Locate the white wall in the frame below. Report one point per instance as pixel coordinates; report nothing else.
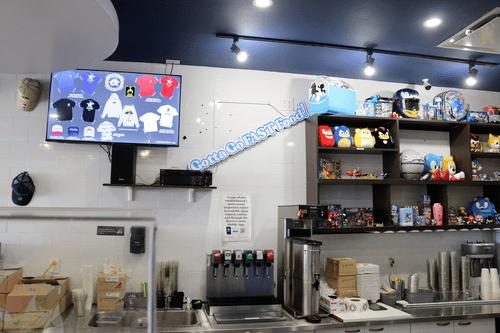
(271, 172)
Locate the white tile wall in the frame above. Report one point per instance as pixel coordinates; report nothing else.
(217, 105)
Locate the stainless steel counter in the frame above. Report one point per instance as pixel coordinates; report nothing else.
(71, 323)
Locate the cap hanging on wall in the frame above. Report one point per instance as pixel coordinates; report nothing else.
(28, 94)
(23, 189)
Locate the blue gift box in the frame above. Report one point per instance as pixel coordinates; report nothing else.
(331, 96)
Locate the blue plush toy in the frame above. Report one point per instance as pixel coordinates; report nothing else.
(433, 165)
(342, 136)
(482, 206)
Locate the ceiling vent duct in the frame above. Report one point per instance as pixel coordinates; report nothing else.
(481, 36)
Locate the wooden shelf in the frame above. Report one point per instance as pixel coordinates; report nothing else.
(394, 229)
(191, 189)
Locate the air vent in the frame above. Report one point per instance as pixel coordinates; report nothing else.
(481, 36)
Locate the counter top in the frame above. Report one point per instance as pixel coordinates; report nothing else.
(72, 323)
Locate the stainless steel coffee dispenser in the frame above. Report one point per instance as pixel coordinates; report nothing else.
(481, 254)
(299, 259)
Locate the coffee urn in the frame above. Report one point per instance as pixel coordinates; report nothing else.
(299, 260)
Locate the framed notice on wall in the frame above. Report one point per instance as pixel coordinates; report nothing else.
(236, 212)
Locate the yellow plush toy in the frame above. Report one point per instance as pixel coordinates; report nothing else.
(494, 143)
(363, 138)
(449, 168)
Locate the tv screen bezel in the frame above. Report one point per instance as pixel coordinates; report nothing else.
(110, 143)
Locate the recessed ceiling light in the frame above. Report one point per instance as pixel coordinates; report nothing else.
(433, 22)
(262, 3)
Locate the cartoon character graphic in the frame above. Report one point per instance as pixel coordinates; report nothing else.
(449, 168)
(475, 144)
(433, 165)
(342, 136)
(382, 138)
(317, 91)
(325, 136)
(494, 143)
(363, 138)
(482, 206)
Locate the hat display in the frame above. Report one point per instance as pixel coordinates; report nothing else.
(22, 189)
(28, 94)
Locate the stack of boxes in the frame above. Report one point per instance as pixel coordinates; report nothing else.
(368, 281)
(111, 289)
(341, 276)
(34, 303)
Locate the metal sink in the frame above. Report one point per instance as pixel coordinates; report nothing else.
(138, 319)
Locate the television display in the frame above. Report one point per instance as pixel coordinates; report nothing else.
(91, 106)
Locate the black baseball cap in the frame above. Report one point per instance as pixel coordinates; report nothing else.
(22, 189)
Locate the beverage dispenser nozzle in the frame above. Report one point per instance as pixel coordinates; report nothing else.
(248, 261)
(237, 259)
(216, 258)
(269, 260)
(227, 261)
(316, 281)
(259, 260)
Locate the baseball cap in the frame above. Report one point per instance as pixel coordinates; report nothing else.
(28, 94)
(22, 189)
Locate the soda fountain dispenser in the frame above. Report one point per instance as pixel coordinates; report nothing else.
(247, 261)
(238, 257)
(216, 259)
(259, 260)
(268, 260)
(228, 258)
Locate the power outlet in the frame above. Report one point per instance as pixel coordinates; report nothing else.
(287, 104)
(56, 269)
(389, 261)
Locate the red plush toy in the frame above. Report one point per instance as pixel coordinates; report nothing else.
(325, 136)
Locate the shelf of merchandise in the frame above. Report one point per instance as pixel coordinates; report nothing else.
(131, 187)
(459, 138)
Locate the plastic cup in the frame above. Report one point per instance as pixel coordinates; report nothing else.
(79, 300)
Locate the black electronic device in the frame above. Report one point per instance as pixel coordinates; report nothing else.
(185, 177)
(123, 162)
(107, 107)
(137, 239)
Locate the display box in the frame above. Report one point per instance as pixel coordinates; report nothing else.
(9, 277)
(340, 266)
(332, 304)
(329, 169)
(342, 282)
(329, 95)
(37, 295)
(405, 217)
(110, 300)
(111, 282)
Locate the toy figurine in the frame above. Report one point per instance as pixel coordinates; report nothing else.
(356, 173)
(382, 138)
(475, 168)
(494, 144)
(449, 168)
(433, 165)
(484, 176)
(496, 175)
(325, 136)
(458, 176)
(481, 206)
(470, 219)
(478, 219)
(363, 138)
(342, 136)
(475, 144)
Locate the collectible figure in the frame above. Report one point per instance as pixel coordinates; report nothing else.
(475, 168)
(433, 165)
(494, 144)
(342, 136)
(325, 136)
(363, 138)
(481, 206)
(449, 168)
(475, 144)
(406, 103)
(382, 138)
(412, 164)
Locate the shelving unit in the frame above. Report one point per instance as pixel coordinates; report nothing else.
(459, 138)
(130, 188)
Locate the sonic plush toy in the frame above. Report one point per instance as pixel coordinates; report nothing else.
(325, 136)
(382, 138)
(342, 136)
(433, 165)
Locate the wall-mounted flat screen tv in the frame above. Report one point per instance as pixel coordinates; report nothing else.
(91, 106)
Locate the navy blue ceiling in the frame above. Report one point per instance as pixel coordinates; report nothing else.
(153, 31)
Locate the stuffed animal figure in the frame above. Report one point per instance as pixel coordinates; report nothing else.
(449, 168)
(382, 138)
(342, 136)
(325, 136)
(433, 165)
(494, 143)
(363, 138)
(475, 144)
(482, 206)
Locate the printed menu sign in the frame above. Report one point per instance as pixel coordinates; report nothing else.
(237, 218)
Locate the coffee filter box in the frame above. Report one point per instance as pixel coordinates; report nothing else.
(111, 289)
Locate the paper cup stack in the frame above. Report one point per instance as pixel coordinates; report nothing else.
(495, 286)
(485, 284)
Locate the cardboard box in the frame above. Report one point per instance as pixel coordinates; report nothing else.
(340, 266)
(111, 282)
(110, 300)
(37, 295)
(346, 293)
(9, 277)
(405, 217)
(342, 282)
(331, 98)
(65, 302)
(332, 304)
(30, 320)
